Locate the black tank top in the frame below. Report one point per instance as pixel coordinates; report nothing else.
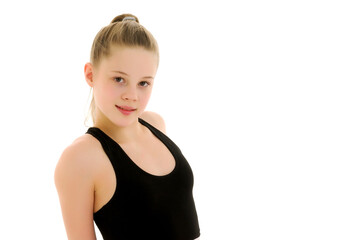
(145, 206)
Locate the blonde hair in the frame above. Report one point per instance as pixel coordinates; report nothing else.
(125, 31)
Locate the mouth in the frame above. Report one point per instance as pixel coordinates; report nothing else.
(125, 109)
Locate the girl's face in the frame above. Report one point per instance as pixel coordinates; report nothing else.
(122, 84)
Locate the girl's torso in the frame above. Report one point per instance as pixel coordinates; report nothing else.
(142, 189)
(149, 154)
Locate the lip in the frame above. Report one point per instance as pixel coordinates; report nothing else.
(126, 110)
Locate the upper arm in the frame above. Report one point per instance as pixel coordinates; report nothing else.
(155, 120)
(74, 183)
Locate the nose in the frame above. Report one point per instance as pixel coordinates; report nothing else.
(129, 94)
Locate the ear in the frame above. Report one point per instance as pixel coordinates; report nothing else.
(89, 74)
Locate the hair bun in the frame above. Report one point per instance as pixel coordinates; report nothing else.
(128, 17)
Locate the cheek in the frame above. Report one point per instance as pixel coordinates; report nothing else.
(145, 97)
(104, 93)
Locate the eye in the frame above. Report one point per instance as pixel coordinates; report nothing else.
(144, 84)
(118, 79)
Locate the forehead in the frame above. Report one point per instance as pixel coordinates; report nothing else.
(134, 60)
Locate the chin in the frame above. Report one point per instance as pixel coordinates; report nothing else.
(127, 121)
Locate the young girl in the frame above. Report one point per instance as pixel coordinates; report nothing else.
(125, 173)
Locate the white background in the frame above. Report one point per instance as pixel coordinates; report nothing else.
(261, 96)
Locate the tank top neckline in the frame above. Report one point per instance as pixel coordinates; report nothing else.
(153, 130)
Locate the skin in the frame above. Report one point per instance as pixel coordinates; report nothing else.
(84, 177)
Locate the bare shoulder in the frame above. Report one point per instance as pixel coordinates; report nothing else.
(75, 176)
(154, 119)
(78, 159)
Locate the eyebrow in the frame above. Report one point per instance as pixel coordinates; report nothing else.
(128, 74)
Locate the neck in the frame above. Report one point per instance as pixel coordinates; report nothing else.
(120, 134)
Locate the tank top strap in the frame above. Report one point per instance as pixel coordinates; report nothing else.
(111, 148)
(160, 135)
(154, 130)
